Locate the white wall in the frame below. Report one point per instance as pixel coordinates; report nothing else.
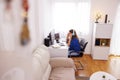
(115, 41)
(36, 23)
(47, 17)
(40, 20)
(105, 7)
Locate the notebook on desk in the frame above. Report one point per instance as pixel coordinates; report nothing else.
(61, 44)
(56, 46)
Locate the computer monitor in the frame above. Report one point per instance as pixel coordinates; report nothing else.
(57, 37)
(52, 36)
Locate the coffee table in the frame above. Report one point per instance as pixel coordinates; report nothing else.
(100, 75)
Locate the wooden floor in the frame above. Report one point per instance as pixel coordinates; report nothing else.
(112, 66)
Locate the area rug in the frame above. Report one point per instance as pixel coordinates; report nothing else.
(79, 65)
(82, 78)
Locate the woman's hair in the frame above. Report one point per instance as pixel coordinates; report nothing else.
(74, 34)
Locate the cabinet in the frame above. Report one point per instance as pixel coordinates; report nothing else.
(101, 41)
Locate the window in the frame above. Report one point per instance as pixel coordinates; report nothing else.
(75, 15)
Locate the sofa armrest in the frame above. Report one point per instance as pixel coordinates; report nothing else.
(62, 62)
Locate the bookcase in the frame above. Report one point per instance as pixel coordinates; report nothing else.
(101, 41)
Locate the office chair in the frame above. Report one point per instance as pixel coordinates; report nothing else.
(80, 53)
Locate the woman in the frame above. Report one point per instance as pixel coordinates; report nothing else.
(73, 41)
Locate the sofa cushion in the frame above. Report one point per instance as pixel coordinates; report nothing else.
(37, 69)
(62, 68)
(44, 47)
(41, 59)
(62, 73)
(47, 73)
(62, 62)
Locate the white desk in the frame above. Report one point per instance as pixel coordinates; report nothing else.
(59, 51)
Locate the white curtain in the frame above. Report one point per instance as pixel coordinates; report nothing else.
(6, 29)
(9, 25)
(71, 15)
(115, 42)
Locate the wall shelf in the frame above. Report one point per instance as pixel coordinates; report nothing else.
(102, 42)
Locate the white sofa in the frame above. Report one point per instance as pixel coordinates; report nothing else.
(46, 68)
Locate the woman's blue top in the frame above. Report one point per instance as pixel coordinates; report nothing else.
(74, 45)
